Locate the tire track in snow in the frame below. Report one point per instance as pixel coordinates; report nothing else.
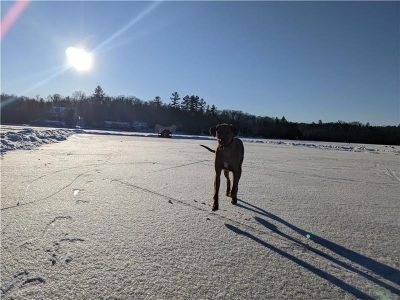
(59, 171)
(58, 191)
(392, 174)
(179, 166)
(49, 196)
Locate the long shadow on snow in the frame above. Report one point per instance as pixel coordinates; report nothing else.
(378, 268)
(273, 228)
(330, 278)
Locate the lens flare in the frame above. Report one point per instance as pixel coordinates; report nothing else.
(79, 59)
(11, 16)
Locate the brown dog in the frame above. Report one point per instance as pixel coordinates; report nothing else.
(228, 157)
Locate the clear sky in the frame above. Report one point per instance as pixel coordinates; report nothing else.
(304, 60)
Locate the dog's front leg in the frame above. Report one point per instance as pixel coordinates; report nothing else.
(236, 178)
(216, 188)
(228, 183)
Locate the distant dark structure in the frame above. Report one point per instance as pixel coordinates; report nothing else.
(165, 132)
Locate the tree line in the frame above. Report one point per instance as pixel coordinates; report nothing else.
(191, 114)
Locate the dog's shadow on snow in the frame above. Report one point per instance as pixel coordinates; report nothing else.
(387, 272)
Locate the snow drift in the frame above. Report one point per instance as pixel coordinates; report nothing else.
(29, 138)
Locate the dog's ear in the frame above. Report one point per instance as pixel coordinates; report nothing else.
(213, 131)
(234, 130)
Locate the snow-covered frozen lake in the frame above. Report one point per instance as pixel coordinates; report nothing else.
(108, 216)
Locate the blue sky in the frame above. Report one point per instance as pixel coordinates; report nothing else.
(304, 60)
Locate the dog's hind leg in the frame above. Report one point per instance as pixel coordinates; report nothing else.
(217, 182)
(236, 178)
(228, 183)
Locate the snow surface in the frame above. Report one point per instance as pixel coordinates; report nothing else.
(128, 217)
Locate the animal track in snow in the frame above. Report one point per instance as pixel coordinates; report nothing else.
(35, 280)
(57, 253)
(21, 280)
(54, 221)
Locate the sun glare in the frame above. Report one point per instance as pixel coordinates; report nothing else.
(79, 59)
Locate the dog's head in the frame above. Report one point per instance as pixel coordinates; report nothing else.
(224, 133)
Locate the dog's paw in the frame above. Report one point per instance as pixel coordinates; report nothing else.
(234, 201)
(214, 207)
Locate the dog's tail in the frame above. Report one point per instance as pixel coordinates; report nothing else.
(209, 149)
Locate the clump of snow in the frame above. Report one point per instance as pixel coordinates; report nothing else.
(29, 138)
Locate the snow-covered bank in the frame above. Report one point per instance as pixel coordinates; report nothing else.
(29, 138)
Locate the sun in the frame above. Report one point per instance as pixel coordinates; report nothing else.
(79, 59)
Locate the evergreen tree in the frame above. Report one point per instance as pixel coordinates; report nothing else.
(99, 93)
(193, 103)
(175, 100)
(202, 105)
(156, 102)
(185, 105)
(213, 109)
